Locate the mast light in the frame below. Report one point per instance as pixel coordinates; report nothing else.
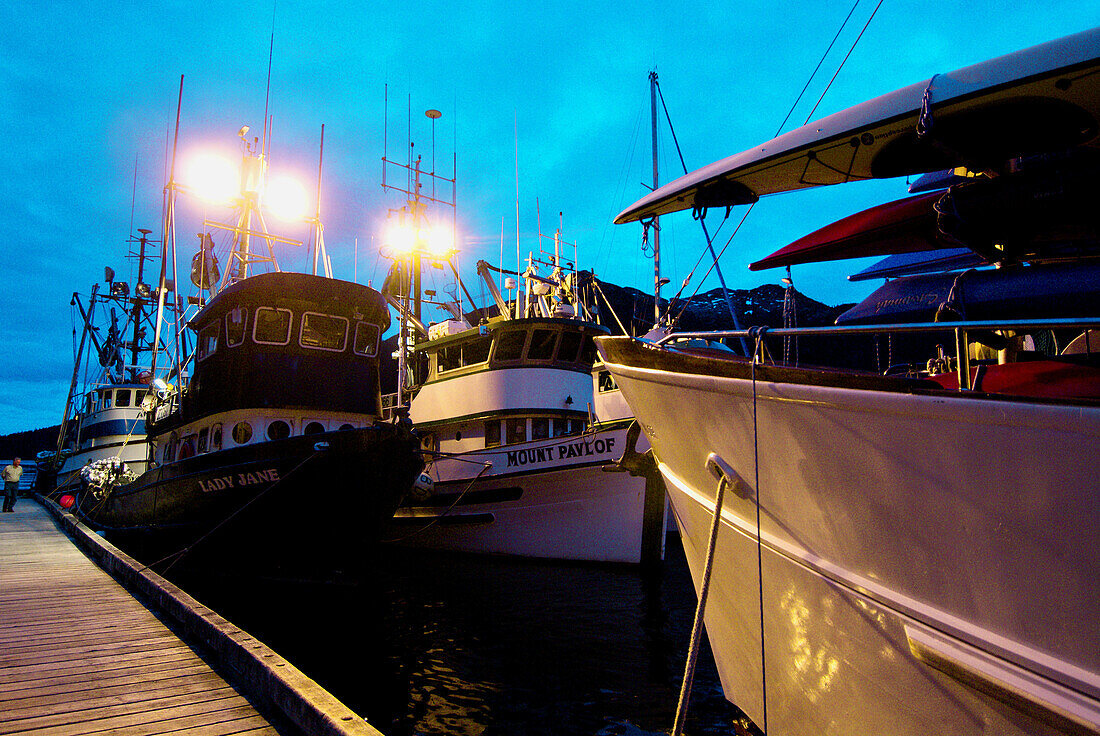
(213, 178)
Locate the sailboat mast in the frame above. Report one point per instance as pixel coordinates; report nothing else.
(656, 183)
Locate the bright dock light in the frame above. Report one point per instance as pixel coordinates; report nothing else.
(212, 178)
(440, 241)
(402, 238)
(286, 198)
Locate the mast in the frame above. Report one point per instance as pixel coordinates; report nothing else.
(167, 232)
(413, 221)
(76, 371)
(318, 230)
(656, 183)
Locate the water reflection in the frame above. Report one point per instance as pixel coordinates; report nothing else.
(434, 643)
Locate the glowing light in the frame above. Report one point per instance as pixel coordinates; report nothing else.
(286, 198)
(402, 238)
(212, 178)
(440, 241)
(433, 242)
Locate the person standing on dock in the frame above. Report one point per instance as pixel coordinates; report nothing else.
(12, 474)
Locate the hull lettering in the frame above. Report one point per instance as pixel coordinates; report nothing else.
(241, 479)
(582, 448)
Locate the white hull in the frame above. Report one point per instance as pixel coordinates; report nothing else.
(112, 432)
(547, 499)
(134, 455)
(927, 564)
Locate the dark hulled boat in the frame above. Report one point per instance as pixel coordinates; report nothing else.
(270, 454)
(273, 452)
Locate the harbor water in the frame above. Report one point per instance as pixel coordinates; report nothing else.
(439, 643)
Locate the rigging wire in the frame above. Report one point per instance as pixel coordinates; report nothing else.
(751, 206)
(624, 171)
(703, 224)
(817, 68)
(853, 48)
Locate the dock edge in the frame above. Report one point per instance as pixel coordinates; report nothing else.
(257, 669)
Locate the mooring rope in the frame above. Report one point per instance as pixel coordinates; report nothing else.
(484, 467)
(697, 624)
(178, 555)
(759, 546)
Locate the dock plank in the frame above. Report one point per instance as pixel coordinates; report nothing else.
(80, 655)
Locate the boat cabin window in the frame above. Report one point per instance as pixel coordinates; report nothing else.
(236, 322)
(122, 397)
(323, 332)
(588, 350)
(278, 430)
(216, 437)
(517, 430)
(540, 428)
(92, 402)
(449, 358)
(272, 326)
(187, 447)
(105, 402)
(366, 339)
(510, 345)
(314, 428)
(204, 436)
(476, 351)
(606, 382)
(570, 346)
(242, 433)
(170, 448)
(492, 433)
(542, 344)
(564, 426)
(208, 341)
(465, 354)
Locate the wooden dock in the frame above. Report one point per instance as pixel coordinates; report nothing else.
(80, 654)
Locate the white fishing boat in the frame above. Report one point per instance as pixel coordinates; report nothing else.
(520, 433)
(910, 553)
(103, 417)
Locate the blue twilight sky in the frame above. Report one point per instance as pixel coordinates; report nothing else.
(88, 93)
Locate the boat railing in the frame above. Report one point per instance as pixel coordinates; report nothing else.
(960, 329)
(1019, 324)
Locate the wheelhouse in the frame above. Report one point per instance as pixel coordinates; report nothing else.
(287, 340)
(521, 343)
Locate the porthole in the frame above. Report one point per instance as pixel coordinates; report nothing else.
(345, 427)
(314, 428)
(242, 433)
(278, 430)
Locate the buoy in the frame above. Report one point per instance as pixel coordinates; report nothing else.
(67, 501)
(422, 488)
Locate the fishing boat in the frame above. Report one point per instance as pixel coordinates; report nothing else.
(103, 416)
(912, 552)
(266, 445)
(521, 430)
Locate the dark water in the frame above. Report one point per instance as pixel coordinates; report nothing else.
(436, 643)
